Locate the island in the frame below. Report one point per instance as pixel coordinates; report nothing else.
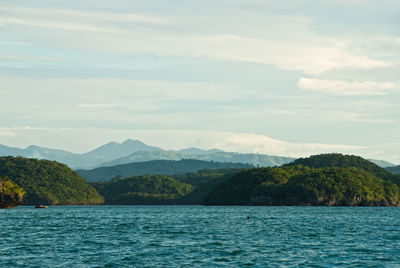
(318, 180)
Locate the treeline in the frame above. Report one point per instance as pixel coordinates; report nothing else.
(299, 185)
(329, 179)
(147, 190)
(189, 189)
(155, 167)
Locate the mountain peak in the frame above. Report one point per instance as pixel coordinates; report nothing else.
(131, 141)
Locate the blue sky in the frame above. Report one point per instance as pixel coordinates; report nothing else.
(276, 77)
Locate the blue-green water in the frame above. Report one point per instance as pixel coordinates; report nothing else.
(170, 236)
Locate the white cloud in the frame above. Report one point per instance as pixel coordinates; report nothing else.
(338, 87)
(66, 14)
(55, 25)
(285, 41)
(6, 133)
(25, 58)
(96, 105)
(14, 43)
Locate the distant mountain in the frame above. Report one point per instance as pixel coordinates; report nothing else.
(131, 151)
(70, 159)
(197, 151)
(393, 170)
(114, 150)
(165, 167)
(218, 156)
(107, 152)
(381, 163)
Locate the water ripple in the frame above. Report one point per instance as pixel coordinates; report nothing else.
(170, 236)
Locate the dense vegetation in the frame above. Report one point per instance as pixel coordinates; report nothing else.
(299, 185)
(393, 170)
(48, 182)
(165, 167)
(11, 195)
(147, 189)
(329, 179)
(340, 160)
(189, 189)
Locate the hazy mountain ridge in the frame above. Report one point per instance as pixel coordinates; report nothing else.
(153, 167)
(394, 170)
(218, 156)
(382, 163)
(91, 159)
(129, 151)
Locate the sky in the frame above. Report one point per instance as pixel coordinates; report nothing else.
(281, 77)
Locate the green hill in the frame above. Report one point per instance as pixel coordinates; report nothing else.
(202, 182)
(326, 179)
(187, 189)
(166, 167)
(48, 182)
(340, 160)
(11, 195)
(143, 190)
(299, 185)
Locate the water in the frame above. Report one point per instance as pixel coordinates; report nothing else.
(171, 236)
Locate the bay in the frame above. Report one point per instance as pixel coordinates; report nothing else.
(199, 236)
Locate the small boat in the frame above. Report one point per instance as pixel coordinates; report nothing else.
(41, 206)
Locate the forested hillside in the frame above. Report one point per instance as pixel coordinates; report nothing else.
(143, 190)
(165, 167)
(340, 160)
(297, 185)
(328, 179)
(48, 182)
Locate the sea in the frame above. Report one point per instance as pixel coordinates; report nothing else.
(199, 236)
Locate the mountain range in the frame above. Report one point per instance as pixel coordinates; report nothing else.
(131, 151)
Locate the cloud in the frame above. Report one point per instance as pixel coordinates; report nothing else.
(25, 58)
(285, 41)
(14, 43)
(338, 87)
(6, 133)
(65, 14)
(96, 105)
(55, 25)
